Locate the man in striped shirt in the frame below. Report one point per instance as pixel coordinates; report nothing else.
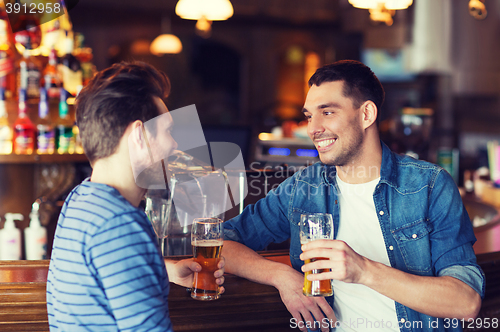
(106, 272)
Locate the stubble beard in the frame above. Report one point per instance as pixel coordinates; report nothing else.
(348, 154)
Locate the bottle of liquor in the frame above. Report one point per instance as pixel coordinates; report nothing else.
(78, 139)
(51, 80)
(85, 56)
(65, 140)
(28, 77)
(45, 129)
(70, 69)
(24, 130)
(5, 128)
(8, 55)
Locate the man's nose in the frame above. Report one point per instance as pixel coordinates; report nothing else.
(315, 127)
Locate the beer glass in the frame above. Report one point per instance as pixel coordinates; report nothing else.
(316, 226)
(206, 240)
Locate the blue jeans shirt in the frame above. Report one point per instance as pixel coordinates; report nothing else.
(425, 226)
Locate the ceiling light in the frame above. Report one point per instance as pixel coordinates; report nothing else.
(212, 10)
(382, 10)
(204, 11)
(166, 43)
(388, 4)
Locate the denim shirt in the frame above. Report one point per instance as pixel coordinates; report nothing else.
(425, 226)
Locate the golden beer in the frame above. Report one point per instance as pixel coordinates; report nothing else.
(207, 254)
(316, 287)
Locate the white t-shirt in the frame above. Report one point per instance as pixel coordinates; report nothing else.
(357, 307)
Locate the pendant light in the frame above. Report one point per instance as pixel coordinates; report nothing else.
(166, 43)
(204, 11)
(381, 10)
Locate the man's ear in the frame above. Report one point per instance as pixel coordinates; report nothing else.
(369, 113)
(137, 135)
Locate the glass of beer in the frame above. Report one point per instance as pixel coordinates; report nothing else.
(206, 240)
(316, 226)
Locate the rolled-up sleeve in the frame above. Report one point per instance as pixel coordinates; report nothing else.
(453, 235)
(469, 274)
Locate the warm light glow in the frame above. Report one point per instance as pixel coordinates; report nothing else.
(140, 47)
(382, 15)
(166, 44)
(212, 10)
(388, 4)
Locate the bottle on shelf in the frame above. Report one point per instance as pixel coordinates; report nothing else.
(35, 236)
(65, 140)
(45, 129)
(8, 56)
(28, 76)
(78, 139)
(51, 80)
(24, 129)
(10, 238)
(85, 56)
(70, 68)
(5, 128)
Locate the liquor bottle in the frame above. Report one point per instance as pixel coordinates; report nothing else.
(8, 55)
(51, 80)
(85, 56)
(28, 76)
(5, 128)
(24, 130)
(65, 140)
(45, 129)
(70, 69)
(78, 140)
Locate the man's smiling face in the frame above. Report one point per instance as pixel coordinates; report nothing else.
(334, 123)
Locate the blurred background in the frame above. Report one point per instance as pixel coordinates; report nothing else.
(245, 65)
(438, 64)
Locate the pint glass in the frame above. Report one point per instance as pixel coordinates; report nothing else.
(316, 226)
(206, 240)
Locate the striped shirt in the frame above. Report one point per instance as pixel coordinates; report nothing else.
(106, 272)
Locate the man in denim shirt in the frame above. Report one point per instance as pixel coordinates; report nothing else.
(402, 258)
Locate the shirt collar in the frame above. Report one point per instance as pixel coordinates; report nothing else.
(387, 174)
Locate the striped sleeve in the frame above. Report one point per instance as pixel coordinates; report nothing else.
(124, 255)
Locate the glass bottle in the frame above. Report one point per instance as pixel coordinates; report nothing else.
(5, 128)
(8, 55)
(45, 129)
(24, 130)
(51, 80)
(70, 69)
(28, 74)
(65, 140)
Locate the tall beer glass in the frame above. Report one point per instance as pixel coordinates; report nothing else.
(206, 239)
(316, 226)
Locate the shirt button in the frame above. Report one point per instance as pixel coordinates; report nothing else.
(381, 213)
(402, 320)
(391, 248)
(414, 236)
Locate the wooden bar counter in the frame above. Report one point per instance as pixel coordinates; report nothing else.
(245, 306)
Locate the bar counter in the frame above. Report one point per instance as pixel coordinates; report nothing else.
(245, 306)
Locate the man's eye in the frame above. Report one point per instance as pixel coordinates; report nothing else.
(327, 112)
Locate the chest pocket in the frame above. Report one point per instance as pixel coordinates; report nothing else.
(414, 243)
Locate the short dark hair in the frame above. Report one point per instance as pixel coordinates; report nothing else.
(113, 99)
(360, 83)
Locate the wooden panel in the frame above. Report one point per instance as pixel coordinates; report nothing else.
(244, 307)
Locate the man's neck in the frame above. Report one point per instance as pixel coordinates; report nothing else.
(111, 171)
(366, 167)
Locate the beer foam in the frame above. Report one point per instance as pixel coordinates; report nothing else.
(207, 243)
